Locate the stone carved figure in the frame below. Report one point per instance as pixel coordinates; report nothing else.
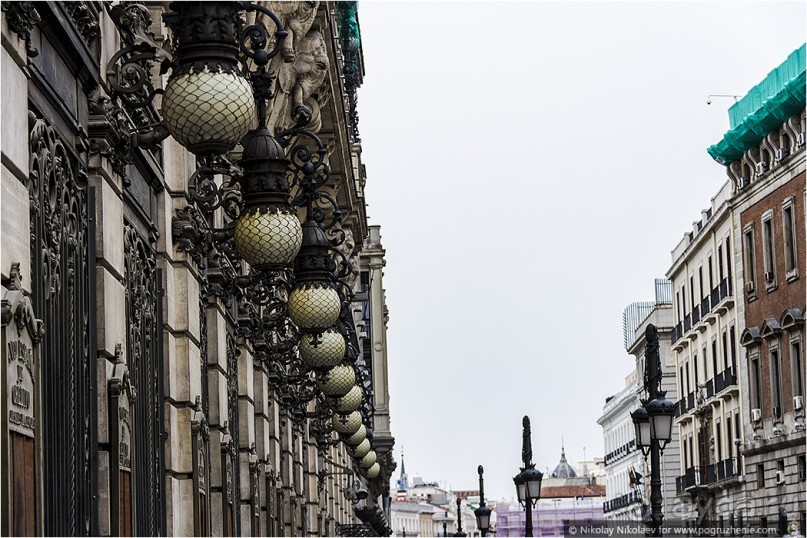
(301, 83)
(297, 18)
(348, 250)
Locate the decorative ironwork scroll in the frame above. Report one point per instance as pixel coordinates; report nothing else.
(144, 358)
(232, 411)
(61, 249)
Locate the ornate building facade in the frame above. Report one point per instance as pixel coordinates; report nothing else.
(705, 344)
(155, 384)
(764, 152)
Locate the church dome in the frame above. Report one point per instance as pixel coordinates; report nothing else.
(563, 470)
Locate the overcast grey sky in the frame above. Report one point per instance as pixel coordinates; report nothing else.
(532, 165)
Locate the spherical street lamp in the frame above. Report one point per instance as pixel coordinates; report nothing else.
(348, 403)
(323, 351)
(314, 305)
(208, 104)
(346, 424)
(337, 381)
(360, 450)
(357, 438)
(368, 460)
(371, 472)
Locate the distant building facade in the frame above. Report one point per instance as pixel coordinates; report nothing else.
(622, 458)
(565, 497)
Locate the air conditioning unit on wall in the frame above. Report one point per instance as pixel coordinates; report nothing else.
(780, 478)
(762, 168)
(801, 139)
(782, 153)
(798, 403)
(756, 415)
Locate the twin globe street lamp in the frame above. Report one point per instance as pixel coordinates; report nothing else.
(653, 422)
(528, 481)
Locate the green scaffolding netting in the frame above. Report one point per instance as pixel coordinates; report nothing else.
(764, 108)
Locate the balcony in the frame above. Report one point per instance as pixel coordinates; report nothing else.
(621, 452)
(710, 388)
(687, 323)
(621, 501)
(725, 379)
(711, 474)
(696, 315)
(722, 296)
(721, 470)
(677, 333)
(706, 307)
(685, 404)
(692, 477)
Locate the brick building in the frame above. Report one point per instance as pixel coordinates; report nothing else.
(765, 157)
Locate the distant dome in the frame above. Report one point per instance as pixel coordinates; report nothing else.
(563, 470)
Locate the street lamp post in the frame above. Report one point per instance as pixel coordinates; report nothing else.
(483, 512)
(459, 520)
(528, 481)
(653, 423)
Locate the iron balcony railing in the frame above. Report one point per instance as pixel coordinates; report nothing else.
(685, 404)
(715, 472)
(725, 379)
(721, 471)
(710, 388)
(620, 452)
(621, 502)
(692, 477)
(706, 306)
(676, 333)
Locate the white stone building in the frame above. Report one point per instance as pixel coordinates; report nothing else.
(622, 459)
(705, 345)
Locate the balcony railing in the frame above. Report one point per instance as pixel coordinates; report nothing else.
(710, 388)
(721, 471)
(621, 501)
(685, 404)
(677, 333)
(620, 452)
(715, 472)
(692, 477)
(725, 379)
(706, 306)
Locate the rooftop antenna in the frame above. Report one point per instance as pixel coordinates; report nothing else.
(709, 97)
